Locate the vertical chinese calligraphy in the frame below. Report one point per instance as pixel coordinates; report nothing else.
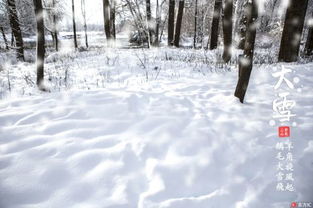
(283, 113)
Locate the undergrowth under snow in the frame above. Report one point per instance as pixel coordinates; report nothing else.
(153, 130)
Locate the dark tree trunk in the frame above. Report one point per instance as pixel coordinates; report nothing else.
(148, 14)
(246, 60)
(74, 24)
(294, 21)
(106, 14)
(242, 32)
(52, 36)
(55, 31)
(112, 19)
(242, 24)
(171, 19)
(12, 39)
(215, 24)
(4, 38)
(55, 35)
(227, 29)
(83, 7)
(179, 20)
(202, 25)
(16, 30)
(40, 43)
(195, 26)
(309, 41)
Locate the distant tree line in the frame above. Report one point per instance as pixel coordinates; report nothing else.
(229, 23)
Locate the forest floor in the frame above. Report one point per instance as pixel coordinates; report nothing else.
(159, 128)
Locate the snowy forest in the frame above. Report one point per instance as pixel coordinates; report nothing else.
(156, 103)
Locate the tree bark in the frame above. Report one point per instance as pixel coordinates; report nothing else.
(246, 60)
(241, 22)
(195, 26)
(74, 24)
(148, 14)
(12, 39)
(40, 43)
(55, 35)
(294, 21)
(106, 14)
(202, 25)
(112, 19)
(171, 19)
(242, 31)
(16, 30)
(55, 31)
(215, 24)
(227, 29)
(4, 38)
(309, 41)
(83, 7)
(179, 20)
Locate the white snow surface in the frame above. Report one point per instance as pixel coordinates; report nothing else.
(176, 140)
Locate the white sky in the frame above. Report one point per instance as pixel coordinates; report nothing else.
(94, 11)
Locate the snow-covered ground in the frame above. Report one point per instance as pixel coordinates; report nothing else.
(128, 128)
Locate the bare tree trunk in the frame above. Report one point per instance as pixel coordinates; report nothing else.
(112, 19)
(157, 25)
(202, 25)
(195, 26)
(52, 35)
(74, 24)
(246, 60)
(40, 43)
(171, 19)
(227, 29)
(294, 21)
(205, 17)
(12, 39)
(106, 14)
(83, 7)
(55, 35)
(215, 24)
(16, 30)
(148, 14)
(240, 23)
(309, 42)
(242, 30)
(179, 20)
(4, 38)
(55, 31)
